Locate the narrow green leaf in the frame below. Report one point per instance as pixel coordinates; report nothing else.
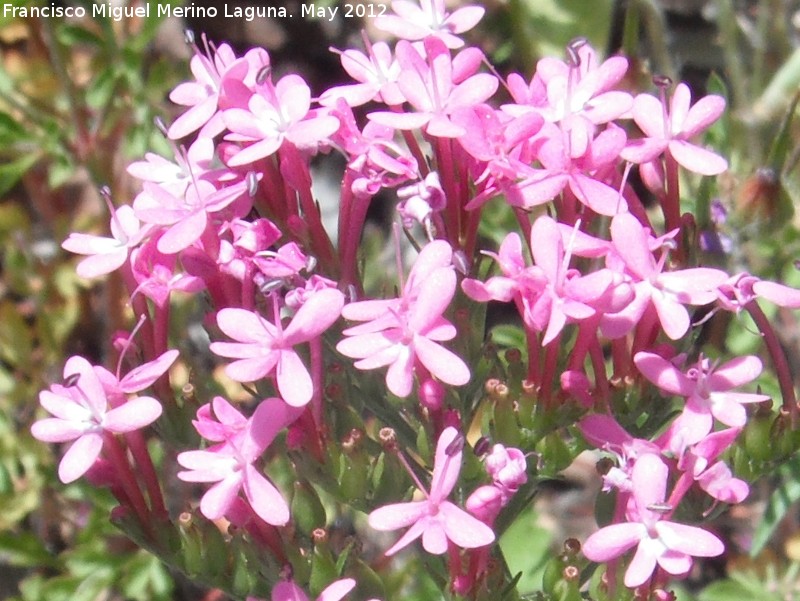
(779, 503)
(10, 173)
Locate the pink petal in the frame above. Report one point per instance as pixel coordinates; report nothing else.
(696, 159)
(648, 113)
(434, 539)
(412, 534)
(264, 498)
(397, 515)
(642, 565)
(400, 375)
(316, 315)
(663, 374)
(251, 370)
(337, 590)
(57, 430)
(294, 381)
(463, 529)
(145, 375)
(245, 326)
(612, 541)
(736, 372)
(136, 413)
(218, 499)
(689, 539)
(184, 233)
(80, 457)
(702, 114)
(442, 363)
(445, 467)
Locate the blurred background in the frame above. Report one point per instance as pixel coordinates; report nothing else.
(78, 102)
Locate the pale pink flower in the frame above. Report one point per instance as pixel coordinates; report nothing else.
(398, 332)
(416, 22)
(263, 348)
(744, 288)
(137, 379)
(230, 463)
(658, 541)
(107, 254)
(187, 215)
(435, 519)
(671, 131)
(81, 414)
(274, 114)
(376, 75)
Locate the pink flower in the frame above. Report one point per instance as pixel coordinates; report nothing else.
(707, 388)
(107, 254)
(435, 519)
(289, 591)
(658, 541)
(81, 414)
(668, 292)
(262, 347)
(186, 215)
(274, 114)
(507, 467)
(670, 131)
(230, 463)
(430, 87)
(398, 332)
(377, 76)
(413, 22)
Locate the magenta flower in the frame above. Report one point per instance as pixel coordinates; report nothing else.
(435, 519)
(107, 254)
(429, 18)
(671, 131)
(262, 348)
(398, 332)
(81, 414)
(230, 463)
(658, 541)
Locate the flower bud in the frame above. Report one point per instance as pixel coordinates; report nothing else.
(507, 468)
(485, 503)
(431, 394)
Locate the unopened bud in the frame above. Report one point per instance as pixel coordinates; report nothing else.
(388, 438)
(571, 573)
(572, 547)
(661, 81)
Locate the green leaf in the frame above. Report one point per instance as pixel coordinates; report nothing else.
(24, 549)
(779, 504)
(10, 173)
(70, 35)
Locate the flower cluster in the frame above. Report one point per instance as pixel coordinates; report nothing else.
(605, 298)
